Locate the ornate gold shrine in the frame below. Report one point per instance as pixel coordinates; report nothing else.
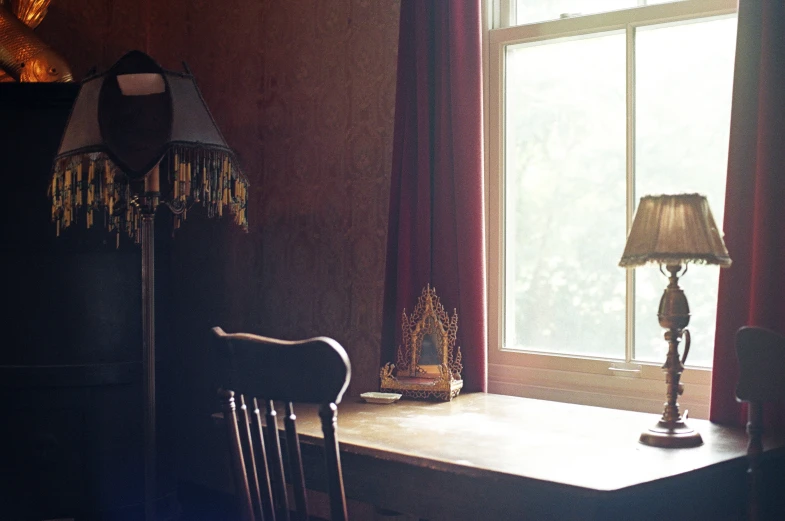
(428, 364)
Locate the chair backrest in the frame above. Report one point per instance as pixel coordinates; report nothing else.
(257, 372)
(761, 354)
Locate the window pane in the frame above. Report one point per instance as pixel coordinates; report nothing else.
(532, 11)
(684, 80)
(565, 193)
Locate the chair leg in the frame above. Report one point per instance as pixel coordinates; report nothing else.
(329, 417)
(754, 451)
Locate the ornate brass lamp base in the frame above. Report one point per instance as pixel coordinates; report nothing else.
(671, 435)
(674, 315)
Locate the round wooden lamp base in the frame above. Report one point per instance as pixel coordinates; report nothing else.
(671, 435)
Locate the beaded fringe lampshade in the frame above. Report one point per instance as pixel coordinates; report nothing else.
(128, 120)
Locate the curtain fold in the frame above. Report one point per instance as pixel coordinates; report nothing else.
(436, 221)
(752, 290)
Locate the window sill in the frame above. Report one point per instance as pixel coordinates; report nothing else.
(638, 393)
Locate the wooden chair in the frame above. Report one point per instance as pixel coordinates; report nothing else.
(761, 354)
(257, 372)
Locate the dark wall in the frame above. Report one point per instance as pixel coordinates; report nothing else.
(304, 90)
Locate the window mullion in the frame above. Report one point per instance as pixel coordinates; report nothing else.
(629, 340)
(506, 10)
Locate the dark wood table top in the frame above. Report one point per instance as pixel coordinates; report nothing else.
(482, 434)
(495, 457)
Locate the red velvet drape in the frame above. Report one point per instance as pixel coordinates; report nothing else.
(752, 290)
(436, 232)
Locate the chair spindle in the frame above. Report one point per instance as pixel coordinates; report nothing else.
(252, 469)
(236, 454)
(275, 460)
(295, 463)
(268, 504)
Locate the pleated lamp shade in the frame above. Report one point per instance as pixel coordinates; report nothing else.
(674, 230)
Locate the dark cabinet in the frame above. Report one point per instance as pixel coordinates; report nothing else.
(70, 361)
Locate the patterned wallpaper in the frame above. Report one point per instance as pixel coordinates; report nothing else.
(304, 91)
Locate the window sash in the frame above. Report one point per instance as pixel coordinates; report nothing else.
(598, 381)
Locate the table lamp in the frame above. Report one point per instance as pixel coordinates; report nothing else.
(672, 231)
(139, 137)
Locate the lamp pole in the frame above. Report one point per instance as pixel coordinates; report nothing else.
(147, 230)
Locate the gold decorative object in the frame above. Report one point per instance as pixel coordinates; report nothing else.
(30, 12)
(428, 364)
(673, 230)
(24, 57)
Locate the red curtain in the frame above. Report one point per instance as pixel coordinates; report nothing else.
(436, 233)
(752, 289)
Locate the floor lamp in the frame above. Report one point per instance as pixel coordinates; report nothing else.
(139, 137)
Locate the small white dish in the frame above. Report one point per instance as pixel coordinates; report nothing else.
(380, 397)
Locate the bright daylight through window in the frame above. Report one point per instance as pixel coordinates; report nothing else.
(593, 104)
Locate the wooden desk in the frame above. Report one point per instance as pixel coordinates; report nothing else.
(494, 457)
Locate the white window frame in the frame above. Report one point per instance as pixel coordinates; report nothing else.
(585, 380)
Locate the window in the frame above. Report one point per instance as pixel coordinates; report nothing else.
(587, 112)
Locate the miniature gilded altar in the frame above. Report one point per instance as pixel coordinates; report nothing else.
(428, 364)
